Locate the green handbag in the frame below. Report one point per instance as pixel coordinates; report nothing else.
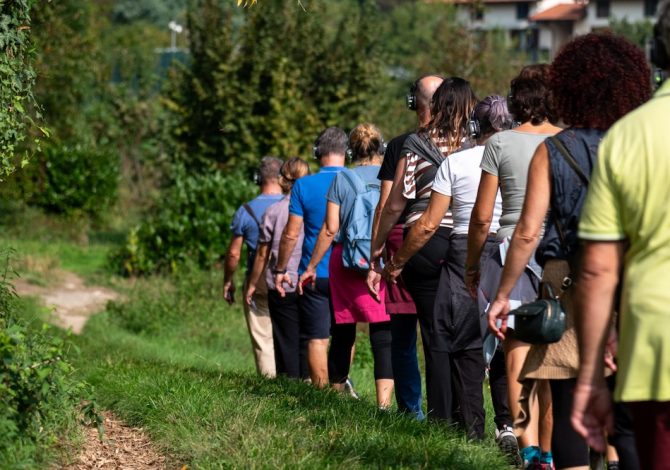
(540, 322)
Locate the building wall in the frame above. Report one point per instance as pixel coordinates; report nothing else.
(632, 10)
(495, 16)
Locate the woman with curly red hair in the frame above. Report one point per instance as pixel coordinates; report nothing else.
(594, 81)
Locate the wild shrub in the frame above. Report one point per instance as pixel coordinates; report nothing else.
(39, 394)
(190, 222)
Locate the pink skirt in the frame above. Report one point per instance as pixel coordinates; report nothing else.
(352, 303)
(398, 300)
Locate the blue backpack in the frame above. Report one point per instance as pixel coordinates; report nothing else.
(356, 230)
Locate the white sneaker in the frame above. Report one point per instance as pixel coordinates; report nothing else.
(349, 388)
(508, 444)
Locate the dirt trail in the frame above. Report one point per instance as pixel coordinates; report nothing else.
(122, 447)
(72, 301)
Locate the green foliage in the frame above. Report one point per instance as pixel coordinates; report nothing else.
(637, 32)
(39, 394)
(269, 85)
(71, 180)
(17, 78)
(190, 222)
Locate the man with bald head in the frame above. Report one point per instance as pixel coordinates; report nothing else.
(398, 301)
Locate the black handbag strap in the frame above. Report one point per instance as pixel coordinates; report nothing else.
(570, 160)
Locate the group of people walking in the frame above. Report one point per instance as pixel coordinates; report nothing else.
(488, 205)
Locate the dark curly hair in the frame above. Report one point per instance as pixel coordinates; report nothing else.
(529, 96)
(598, 78)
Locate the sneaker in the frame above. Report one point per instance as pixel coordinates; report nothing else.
(349, 388)
(547, 461)
(508, 444)
(531, 458)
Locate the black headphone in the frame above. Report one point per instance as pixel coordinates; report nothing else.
(473, 127)
(315, 152)
(658, 51)
(381, 150)
(410, 98)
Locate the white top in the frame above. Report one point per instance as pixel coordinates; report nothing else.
(458, 177)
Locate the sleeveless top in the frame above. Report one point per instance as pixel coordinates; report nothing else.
(568, 192)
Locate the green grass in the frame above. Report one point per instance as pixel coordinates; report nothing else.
(174, 359)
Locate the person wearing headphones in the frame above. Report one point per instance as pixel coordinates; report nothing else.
(398, 301)
(625, 230)
(246, 228)
(307, 210)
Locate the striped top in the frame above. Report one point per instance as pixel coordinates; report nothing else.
(418, 184)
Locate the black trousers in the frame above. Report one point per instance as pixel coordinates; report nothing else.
(344, 337)
(623, 438)
(568, 448)
(421, 276)
(498, 385)
(290, 350)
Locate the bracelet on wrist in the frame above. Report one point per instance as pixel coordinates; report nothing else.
(279, 271)
(392, 264)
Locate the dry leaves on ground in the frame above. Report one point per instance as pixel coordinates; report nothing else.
(123, 447)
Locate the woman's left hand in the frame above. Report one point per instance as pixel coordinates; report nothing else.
(391, 272)
(499, 310)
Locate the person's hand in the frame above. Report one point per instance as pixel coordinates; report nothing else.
(373, 282)
(280, 279)
(229, 292)
(248, 296)
(379, 253)
(499, 310)
(611, 349)
(472, 281)
(592, 416)
(392, 271)
(307, 277)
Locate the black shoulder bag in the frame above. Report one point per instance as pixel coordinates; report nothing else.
(544, 321)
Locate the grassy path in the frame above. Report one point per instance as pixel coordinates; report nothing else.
(173, 359)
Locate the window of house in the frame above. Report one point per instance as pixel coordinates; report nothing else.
(602, 8)
(522, 10)
(650, 7)
(477, 12)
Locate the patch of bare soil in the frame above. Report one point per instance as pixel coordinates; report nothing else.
(122, 447)
(72, 301)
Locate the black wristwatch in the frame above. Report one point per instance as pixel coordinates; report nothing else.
(279, 271)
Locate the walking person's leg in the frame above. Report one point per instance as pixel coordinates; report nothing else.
(468, 371)
(315, 317)
(405, 363)
(285, 332)
(380, 341)
(259, 324)
(339, 355)
(570, 450)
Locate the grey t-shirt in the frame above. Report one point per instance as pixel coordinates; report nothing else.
(341, 192)
(272, 226)
(507, 155)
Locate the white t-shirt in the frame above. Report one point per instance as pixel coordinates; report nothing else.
(458, 177)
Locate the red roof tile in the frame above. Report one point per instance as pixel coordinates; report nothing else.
(561, 12)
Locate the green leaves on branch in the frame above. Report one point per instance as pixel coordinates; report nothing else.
(18, 115)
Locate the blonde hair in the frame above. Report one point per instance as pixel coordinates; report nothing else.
(293, 169)
(365, 142)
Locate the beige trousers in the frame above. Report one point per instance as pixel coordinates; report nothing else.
(260, 332)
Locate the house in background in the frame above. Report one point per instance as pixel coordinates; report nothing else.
(541, 27)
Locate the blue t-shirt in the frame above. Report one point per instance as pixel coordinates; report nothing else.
(308, 200)
(343, 194)
(244, 225)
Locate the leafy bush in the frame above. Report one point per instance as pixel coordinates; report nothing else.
(190, 222)
(39, 395)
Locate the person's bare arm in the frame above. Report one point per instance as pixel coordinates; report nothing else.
(594, 303)
(260, 265)
(526, 236)
(393, 209)
(289, 238)
(331, 225)
(478, 231)
(421, 232)
(230, 266)
(384, 193)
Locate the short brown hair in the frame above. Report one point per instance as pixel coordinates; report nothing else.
(529, 98)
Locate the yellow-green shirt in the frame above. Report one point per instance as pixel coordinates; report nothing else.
(629, 198)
